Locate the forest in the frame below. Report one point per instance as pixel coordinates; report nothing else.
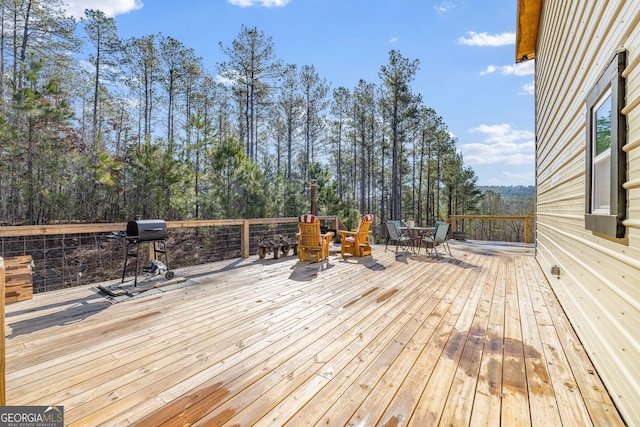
(96, 128)
(512, 200)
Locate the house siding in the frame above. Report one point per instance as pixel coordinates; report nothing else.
(599, 281)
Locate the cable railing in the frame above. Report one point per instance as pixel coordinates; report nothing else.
(503, 228)
(79, 254)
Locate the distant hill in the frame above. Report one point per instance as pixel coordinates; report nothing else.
(514, 200)
(507, 192)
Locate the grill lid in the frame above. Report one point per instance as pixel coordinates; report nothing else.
(145, 230)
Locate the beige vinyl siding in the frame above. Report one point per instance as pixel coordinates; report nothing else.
(599, 282)
(632, 112)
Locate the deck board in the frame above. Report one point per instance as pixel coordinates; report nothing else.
(542, 398)
(487, 402)
(382, 340)
(457, 411)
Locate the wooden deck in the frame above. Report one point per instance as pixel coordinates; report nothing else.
(473, 339)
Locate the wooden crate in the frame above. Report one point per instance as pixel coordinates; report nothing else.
(18, 279)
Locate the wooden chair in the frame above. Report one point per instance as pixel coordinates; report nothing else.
(312, 244)
(356, 242)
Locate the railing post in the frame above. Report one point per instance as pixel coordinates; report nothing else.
(3, 395)
(151, 250)
(244, 239)
(527, 230)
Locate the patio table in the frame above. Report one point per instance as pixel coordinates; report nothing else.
(417, 233)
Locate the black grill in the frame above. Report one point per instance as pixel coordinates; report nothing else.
(146, 230)
(152, 231)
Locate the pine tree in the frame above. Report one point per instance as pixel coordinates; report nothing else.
(103, 35)
(252, 66)
(401, 105)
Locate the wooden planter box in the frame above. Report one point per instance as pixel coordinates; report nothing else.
(18, 279)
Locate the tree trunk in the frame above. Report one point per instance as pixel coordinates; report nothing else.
(23, 48)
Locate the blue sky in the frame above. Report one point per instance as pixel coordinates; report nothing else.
(465, 48)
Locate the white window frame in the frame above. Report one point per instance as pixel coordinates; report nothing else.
(605, 156)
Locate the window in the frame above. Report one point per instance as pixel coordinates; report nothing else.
(606, 161)
(601, 167)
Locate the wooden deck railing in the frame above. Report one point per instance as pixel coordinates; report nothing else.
(528, 220)
(40, 230)
(59, 262)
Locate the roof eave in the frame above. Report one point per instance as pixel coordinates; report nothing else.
(527, 29)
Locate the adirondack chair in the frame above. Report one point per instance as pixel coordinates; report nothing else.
(356, 242)
(312, 244)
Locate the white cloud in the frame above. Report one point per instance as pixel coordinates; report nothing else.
(529, 88)
(490, 69)
(527, 177)
(227, 79)
(110, 8)
(502, 133)
(505, 153)
(500, 145)
(486, 39)
(265, 3)
(444, 7)
(525, 68)
(494, 181)
(510, 178)
(393, 40)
